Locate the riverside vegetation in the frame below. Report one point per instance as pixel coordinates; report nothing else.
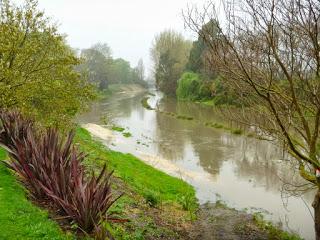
(157, 206)
(57, 182)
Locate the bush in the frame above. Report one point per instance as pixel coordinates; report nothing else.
(192, 87)
(51, 168)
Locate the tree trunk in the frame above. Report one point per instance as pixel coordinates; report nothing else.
(316, 207)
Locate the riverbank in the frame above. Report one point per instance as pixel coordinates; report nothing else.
(156, 205)
(187, 219)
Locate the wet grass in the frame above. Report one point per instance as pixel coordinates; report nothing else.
(117, 128)
(236, 131)
(274, 232)
(137, 174)
(184, 117)
(127, 134)
(19, 218)
(150, 199)
(145, 104)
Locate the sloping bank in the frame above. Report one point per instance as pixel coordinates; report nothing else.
(156, 205)
(171, 208)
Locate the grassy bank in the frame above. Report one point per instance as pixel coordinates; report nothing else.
(19, 218)
(158, 206)
(155, 205)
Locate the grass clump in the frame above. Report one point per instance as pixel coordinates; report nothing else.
(236, 131)
(152, 198)
(274, 232)
(184, 117)
(117, 128)
(127, 134)
(214, 125)
(145, 104)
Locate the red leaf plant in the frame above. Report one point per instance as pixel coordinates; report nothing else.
(51, 168)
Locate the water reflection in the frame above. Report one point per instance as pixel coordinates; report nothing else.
(246, 172)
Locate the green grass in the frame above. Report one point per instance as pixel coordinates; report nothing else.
(274, 232)
(118, 129)
(237, 131)
(127, 134)
(19, 218)
(184, 117)
(137, 174)
(145, 104)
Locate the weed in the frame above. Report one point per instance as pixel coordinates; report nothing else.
(274, 232)
(145, 104)
(236, 131)
(127, 134)
(117, 128)
(152, 198)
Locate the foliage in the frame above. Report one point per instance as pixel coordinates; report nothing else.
(275, 232)
(51, 168)
(145, 104)
(37, 67)
(19, 218)
(95, 66)
(199, 57)
(117, 128)
(170, 52)
(127, 134)
(152, 198)
(192, 87)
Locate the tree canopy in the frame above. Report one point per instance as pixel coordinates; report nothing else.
(170, 52)
(37, 72)
(102, 69)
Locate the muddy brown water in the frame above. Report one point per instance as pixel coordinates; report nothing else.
(244, 172)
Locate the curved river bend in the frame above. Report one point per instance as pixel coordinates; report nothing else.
(243, 172)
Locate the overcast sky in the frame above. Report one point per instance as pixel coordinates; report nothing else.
(127, 26)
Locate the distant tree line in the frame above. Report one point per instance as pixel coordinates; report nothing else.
(183, 68)
(102, 69)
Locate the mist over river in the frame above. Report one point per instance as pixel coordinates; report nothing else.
(244, 172)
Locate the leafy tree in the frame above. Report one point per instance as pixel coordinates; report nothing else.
(120, 71)
(170, 52)
(140, 71)
(199, 58)
(37, 67)
(95, 65)
(104, 49)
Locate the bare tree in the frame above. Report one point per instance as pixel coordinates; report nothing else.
(268, 51)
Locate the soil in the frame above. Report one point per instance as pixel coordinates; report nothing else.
(217, 222)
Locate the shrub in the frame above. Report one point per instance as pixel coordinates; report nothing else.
(51, 168)
(152, 198)
(192, 87)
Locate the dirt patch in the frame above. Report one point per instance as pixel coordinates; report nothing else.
(217, 222)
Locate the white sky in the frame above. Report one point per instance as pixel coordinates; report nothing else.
(127, 26)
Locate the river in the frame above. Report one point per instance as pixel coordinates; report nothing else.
(244, 172)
